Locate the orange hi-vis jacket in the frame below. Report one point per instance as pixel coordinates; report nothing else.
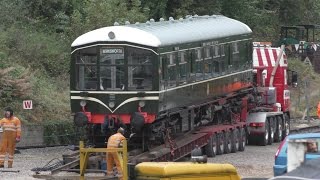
(12, 124)
(115, 140)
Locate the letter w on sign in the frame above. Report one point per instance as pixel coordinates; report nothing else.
(27, 104)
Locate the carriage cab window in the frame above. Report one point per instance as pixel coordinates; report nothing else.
(112, 70)
(86, 69)
(139, 69)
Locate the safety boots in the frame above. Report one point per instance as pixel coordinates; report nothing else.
(9, 165)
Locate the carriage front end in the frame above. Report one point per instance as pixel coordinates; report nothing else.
(113, 85)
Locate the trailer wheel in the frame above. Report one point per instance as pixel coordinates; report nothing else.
(227, 141)
(271, 130)
(242, 139)
(265, 137)
(221, 144)
(211, 147)
(235, 138)
(278, 132)
(286, 126)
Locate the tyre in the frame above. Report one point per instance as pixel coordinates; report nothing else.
(235, 137)
(278, 130)
(221, 143)
(227, 141)
(265, 137)
(271, 130)
(243, 139)
(286, 126)
(211, 147)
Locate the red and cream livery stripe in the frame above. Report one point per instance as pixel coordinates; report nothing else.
(149, 98)
(266, 57)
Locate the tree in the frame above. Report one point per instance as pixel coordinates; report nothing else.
(96, 14)
(156, 8)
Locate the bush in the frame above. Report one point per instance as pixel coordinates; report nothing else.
(61, 133)
(308, 88)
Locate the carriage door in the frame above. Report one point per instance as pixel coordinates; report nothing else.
(112, 70)
(163, 81)
(229, 57)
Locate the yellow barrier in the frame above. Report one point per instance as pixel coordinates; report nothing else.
(84, 155)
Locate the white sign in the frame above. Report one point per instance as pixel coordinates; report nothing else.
(27, 104)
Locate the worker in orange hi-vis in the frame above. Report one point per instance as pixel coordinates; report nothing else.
(318, 110)
(11, 126)
(115, 141)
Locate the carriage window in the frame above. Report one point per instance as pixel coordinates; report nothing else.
(139, 69)
(182, 67)
(215, 51)
(112, 70)
(235, 49)
(207, 52)
(222, 50)
(236, 56)
(86, 69)
(216, 67)
(222, 61)
(162, 72)
(216, 60)
(172, 70)
(198, 55)
(207, 68)
(199, 65)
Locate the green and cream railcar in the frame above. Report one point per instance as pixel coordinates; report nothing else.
(153, 76)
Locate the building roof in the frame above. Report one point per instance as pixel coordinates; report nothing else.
(164, 33)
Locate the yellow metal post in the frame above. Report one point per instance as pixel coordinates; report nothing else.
(125, 160)
(121, 152)
(81, 145)
(83, 159)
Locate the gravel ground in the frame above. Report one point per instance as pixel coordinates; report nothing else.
(255, 161)
(32, 158)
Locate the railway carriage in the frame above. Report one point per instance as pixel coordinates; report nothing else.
(161, 79)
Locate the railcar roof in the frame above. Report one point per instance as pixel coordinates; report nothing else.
(164, 33)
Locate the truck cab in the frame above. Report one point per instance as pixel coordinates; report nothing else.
(270, 121)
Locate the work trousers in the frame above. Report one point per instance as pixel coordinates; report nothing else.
(112, 158)
(8, 145)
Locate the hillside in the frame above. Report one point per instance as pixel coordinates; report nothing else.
(307, 89)
(35, 39)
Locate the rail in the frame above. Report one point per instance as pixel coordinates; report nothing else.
(84, 155)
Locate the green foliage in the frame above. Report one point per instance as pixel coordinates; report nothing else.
(308, 88)
(96, 14)
(11, 12)
(156, 8)
(39, 50)
(61, 133)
